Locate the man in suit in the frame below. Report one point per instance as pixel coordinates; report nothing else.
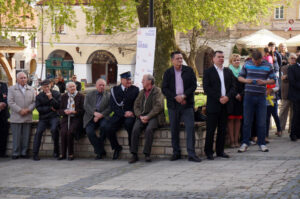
(294, 96)
(255, 74)
(21, 100)
(97, 110)
(179, 84)
(121, 102)
(47, 104)
(218, 85)
(4, 115)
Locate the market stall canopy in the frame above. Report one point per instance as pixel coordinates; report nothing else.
(260, 39)
(294, 41)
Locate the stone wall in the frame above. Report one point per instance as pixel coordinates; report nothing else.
(161, 148)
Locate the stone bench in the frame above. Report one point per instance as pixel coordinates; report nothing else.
(161, 148)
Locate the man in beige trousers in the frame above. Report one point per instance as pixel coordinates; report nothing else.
(21, 100)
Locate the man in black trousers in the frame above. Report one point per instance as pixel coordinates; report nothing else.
(121, 102)
(294, 96)
(47, 103)
(179, 85)
(219, 86)
(4, 115)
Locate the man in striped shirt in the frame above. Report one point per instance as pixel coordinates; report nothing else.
(255, 74)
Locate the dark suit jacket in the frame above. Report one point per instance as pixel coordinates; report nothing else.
(90, 106)
(79, 102)
(127, 97)
(189, 83)
(294, 83)
(44, 105)
(4, 114)
(212, 88)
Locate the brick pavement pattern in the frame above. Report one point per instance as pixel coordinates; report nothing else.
(253, 174)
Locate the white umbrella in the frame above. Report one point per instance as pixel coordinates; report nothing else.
(294, 41)
(260, 39)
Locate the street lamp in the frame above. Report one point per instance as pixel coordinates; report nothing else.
(151, 13)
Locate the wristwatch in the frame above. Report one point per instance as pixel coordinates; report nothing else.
(254, 82)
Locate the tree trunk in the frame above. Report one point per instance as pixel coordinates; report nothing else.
(165, 37)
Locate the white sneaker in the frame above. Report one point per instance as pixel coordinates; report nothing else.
(263, 148)
(243, 148)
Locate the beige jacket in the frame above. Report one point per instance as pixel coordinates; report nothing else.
(16, 100)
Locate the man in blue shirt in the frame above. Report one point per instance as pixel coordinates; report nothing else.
(255, 74)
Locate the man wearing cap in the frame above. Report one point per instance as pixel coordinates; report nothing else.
(121, 102)
(47, 104)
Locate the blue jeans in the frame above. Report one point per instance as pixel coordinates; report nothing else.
(187, 115)
(255, 104)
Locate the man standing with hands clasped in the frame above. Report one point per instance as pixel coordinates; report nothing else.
(179, 85)
(219, 86)
(255, 74)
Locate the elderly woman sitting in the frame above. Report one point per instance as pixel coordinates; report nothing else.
(71, 110)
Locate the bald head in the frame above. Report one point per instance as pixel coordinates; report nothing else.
(100, 85)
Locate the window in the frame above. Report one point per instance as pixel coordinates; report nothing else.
(279, 12)
(13, 38)
(60, 29)
(22, 64)
(22, 40)
(33, 42)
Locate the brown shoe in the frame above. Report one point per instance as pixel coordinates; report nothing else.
(134, 158)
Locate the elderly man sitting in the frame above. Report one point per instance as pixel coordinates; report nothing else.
(148, 108)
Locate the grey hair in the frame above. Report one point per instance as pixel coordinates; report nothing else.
(100, 79)
(69, 83)
(151, 78)
(20, 73)
(293, 55)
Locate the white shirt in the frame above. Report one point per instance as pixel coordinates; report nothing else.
(22, 88)
(221, 75)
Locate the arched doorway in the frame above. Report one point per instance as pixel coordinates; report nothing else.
(59, 62)
(32, 66)
(204, 59)
(104, 65)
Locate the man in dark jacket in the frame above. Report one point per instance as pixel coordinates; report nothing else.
(179, 85)
(121, 103)
(148, 106)
(294, 96)
(219, 86)
(77, 83)
(47, 104)
(4, 114)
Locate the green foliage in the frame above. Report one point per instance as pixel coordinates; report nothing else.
(244, 52)
(235, 50)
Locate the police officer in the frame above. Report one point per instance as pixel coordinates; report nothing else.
(121, 102)
(4, 114)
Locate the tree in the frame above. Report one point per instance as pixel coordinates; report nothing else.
(191, 17)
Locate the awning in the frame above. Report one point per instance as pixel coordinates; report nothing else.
(294, 41)
(260, 39)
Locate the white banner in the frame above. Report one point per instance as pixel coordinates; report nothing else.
(145, 52)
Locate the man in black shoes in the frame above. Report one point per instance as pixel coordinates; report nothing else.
(148, 108)
(4, 114)
(179, 85)
(121, 103)
(47, 104)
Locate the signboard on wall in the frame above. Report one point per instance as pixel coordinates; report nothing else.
(145, 52)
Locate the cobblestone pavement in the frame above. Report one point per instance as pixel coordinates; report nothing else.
(253, 174)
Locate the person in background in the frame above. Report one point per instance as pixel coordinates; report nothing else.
(284, 54)
(121, 103)
(77, 83)
(255, 74)
(272, 109)
(235, 105)
(148, 107)
(267, 56)
(21, 100)
(4, 115)
(277, 60)
(179, 84)
(294, 96)
(54, 87)
(61, 84)
(71, 110)
(47, 104)
(286, 105)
